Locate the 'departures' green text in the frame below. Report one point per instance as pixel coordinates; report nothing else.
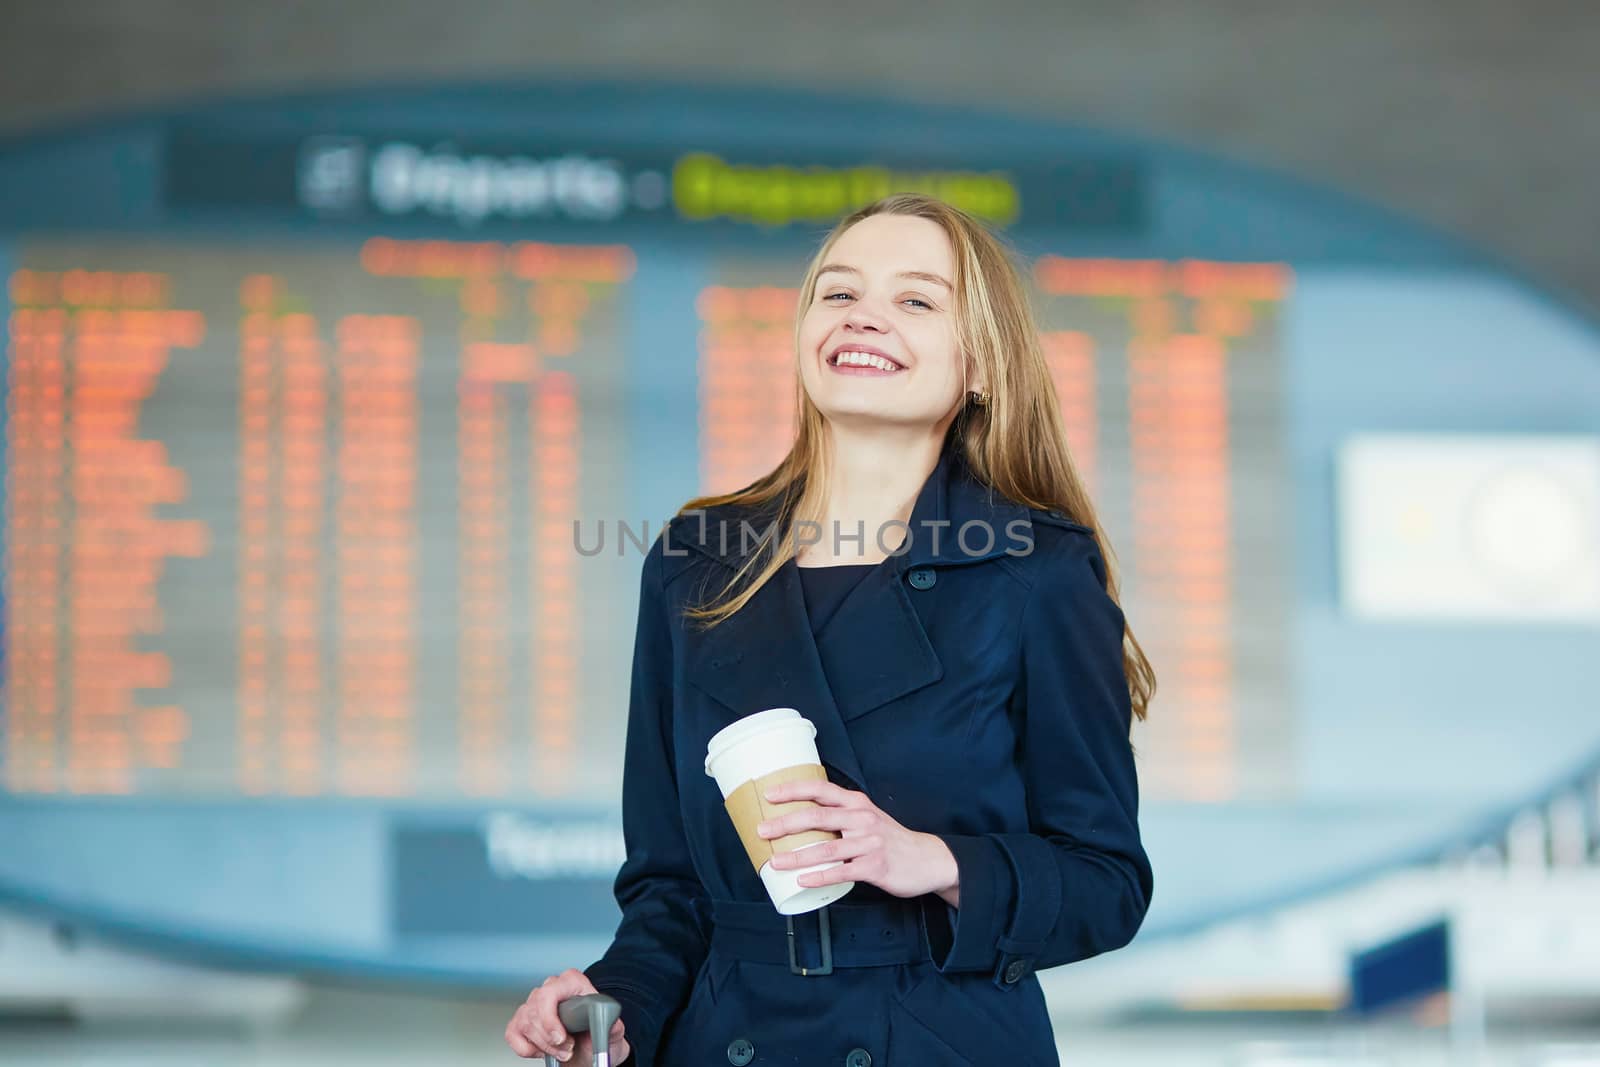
(705, 187)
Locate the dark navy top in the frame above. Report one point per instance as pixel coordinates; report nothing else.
(826, 587)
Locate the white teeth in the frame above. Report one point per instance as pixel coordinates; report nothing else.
(864, 359)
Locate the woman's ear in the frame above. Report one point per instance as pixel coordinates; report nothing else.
(976, 382)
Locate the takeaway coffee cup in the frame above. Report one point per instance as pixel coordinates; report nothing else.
(747, 756)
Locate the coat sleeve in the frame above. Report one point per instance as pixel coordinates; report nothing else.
(1079, 882)
(664, 935)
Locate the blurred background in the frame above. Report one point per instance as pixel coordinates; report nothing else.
(329, 324)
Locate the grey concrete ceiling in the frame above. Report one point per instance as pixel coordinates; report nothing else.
(1480, 117)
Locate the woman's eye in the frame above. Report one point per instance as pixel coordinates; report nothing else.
(909, 299)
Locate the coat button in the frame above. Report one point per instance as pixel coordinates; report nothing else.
(1015, 972)
(859, 1057)
(922, 578)
(740, 1052)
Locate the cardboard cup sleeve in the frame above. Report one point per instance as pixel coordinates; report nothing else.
(748, 808)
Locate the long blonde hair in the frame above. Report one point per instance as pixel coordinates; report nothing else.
(1016, 443)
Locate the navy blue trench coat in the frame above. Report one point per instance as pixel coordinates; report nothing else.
(972, 686)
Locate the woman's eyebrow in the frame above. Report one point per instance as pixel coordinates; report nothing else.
(919, 274)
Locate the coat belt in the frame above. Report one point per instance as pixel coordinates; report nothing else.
(870, 934)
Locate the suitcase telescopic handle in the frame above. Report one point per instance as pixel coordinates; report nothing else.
(592, 1013)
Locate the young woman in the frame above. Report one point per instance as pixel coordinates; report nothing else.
(956, 636)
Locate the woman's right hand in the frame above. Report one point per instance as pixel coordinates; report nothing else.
(535, 1029)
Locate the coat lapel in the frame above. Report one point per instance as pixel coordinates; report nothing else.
(874, 650)
(762, 657)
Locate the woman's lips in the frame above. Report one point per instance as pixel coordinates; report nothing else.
(857, 364)
(870, 372)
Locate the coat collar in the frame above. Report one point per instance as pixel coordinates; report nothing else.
(951, 497)
(765, 655)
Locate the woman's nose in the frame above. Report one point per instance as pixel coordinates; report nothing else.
(864, 316)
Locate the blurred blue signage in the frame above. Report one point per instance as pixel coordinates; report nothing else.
(504, 873)
(440, 179)
(1401, 971)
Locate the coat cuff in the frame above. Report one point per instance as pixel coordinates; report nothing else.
(968, 938)
(641, 1027)
(1036, 911)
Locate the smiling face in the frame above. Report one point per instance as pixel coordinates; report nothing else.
(878, 339)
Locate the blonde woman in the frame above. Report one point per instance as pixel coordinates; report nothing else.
(923, 577)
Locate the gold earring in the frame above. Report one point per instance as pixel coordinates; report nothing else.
(980, 399)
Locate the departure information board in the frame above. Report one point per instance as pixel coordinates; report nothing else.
(335, 429)
(303, 517)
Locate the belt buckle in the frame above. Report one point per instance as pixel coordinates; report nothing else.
(826, 937)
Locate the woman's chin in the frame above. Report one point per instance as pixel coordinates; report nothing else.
(867, 413)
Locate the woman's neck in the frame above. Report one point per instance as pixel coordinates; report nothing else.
(875, 481)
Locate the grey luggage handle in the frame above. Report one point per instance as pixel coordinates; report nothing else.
(592, 1013)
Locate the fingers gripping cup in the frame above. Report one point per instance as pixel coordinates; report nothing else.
(746, 757)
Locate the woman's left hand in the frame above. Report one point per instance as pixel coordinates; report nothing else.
(876, 849)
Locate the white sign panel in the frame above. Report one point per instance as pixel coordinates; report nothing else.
(1470, 527)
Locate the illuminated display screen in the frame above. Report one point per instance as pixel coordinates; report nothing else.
(300, 520)
(324, 418)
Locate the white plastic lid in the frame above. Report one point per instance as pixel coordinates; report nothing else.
(736, 731)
